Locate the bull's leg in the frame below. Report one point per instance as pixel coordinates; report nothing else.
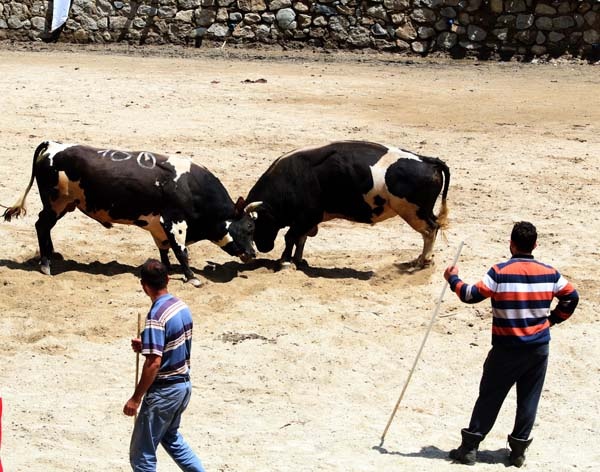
(426, 257)
(297, 259)
(46, 221)
(296, 237)
(427, 227)
(176, 232)
(163, 247)
(286, 256)
(164, 258)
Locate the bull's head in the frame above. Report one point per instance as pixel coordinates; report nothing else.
(240, 231)
(266, 228)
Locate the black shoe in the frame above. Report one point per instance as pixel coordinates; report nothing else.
(517, 450)
(466, 453)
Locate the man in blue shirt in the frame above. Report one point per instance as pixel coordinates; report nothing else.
(164, 385)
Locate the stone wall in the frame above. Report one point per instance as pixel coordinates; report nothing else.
(497, 28)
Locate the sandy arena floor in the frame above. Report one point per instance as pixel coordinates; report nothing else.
(298, 370)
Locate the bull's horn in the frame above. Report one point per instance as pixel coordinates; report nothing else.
(252, 207)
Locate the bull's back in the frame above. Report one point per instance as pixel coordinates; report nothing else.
(412, 179)
(330, 178)
(109, 185)
(356, 180)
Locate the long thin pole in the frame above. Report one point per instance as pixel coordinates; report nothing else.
(1, 469)
(435, 312)
(137, 357)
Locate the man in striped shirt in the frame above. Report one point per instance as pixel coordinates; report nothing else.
(164, 385)
(521, 291)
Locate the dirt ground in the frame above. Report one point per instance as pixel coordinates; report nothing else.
(298, 370)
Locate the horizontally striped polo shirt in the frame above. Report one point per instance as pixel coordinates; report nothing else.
(168, 333)
(521, 291)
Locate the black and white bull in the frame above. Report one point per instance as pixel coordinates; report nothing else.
(177, 201)
(355, 180)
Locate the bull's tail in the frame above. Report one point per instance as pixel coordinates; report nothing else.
(442, 217)
(18, 209)
(441, 220)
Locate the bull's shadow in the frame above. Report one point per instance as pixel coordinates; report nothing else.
(215, 272)
(60, 266)
(219, 273)
(226, 272)
(335, 272)
(499, 456)
(212, 271)
(230, 270)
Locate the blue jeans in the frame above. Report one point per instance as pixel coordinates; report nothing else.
(157, 423)
(503, 368)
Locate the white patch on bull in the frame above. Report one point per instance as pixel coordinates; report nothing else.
(54, 148)
(181, 165)
(402, 154)
(179, 231)
(225, 240)
(393, 205)
(379, 188)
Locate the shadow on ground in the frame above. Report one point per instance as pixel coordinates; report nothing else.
(212, 271)
(499, 456)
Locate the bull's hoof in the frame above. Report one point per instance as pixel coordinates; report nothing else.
(422, 263)
(286, 265)
(301, 264)
(45, 269)
(194, 281)
(427, 263)
(414, 266)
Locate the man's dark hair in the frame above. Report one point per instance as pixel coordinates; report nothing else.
(154, 274)
(524, 236)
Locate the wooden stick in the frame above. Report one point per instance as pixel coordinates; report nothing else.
(137, 357)
(435, 312)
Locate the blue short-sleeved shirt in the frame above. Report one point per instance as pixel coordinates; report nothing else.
(168, 333)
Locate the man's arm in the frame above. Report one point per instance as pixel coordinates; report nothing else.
(467, 293)
(149, 371)
(568, 298)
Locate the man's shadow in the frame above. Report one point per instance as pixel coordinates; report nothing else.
(499, 456)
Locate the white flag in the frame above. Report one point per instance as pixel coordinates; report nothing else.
(60, 13)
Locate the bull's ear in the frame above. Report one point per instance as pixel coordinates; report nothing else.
(239, 206)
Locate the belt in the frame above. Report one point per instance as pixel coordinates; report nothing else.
(171, 381)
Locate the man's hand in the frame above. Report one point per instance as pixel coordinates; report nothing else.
(131, 407)
(136, 345)
(450, 271)
(149, 371)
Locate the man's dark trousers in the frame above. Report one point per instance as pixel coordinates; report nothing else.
(503, 367)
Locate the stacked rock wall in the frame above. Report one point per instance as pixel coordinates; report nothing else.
(454, 27)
